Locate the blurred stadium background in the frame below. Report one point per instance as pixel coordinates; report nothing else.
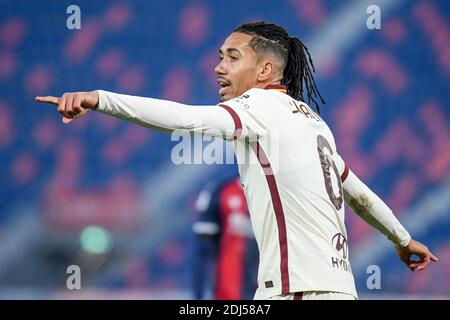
(103, 194)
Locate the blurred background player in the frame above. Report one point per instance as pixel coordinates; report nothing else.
(226, 251)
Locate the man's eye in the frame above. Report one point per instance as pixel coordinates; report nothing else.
(220, 58)
(233, 58)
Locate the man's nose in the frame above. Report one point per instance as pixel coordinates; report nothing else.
(220, 69)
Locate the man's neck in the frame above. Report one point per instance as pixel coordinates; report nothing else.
(264, 84)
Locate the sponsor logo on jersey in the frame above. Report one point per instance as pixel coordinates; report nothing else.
(340, 243)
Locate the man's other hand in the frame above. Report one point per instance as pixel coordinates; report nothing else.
(415, 248)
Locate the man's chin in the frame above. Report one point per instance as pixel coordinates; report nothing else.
(226, 97)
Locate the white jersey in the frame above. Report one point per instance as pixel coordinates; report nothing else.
(293, 180)
(292, 176)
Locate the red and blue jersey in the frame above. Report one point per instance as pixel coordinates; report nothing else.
(225, 241)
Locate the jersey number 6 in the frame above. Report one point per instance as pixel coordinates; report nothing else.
(327, 162)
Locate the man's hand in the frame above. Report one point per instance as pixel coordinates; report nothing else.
(416, 248)
(72, 105)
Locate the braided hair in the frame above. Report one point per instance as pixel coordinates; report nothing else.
(271, 39)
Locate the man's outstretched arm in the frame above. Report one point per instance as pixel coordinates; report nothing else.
(161, 115)
(374, 211)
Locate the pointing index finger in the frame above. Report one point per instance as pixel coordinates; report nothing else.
(433, 257)
(48, 99)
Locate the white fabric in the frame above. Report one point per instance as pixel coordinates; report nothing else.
(316, 295)
(373, 210)
(167, 116)
(304, 172)
(288, 133)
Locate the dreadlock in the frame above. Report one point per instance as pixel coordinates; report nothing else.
(271, 39)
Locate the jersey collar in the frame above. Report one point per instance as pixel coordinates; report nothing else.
(278, 87)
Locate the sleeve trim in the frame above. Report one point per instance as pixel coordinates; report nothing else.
(237, 121)
(344, 174)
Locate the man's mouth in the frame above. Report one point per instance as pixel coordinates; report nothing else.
(223, 86)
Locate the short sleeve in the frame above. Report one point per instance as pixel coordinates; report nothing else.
(245, 111)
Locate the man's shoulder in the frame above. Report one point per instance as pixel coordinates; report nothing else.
(250, 94)
(245, 100)
(259, 92)
(253, 96)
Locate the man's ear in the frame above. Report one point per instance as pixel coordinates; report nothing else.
(266, 70)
